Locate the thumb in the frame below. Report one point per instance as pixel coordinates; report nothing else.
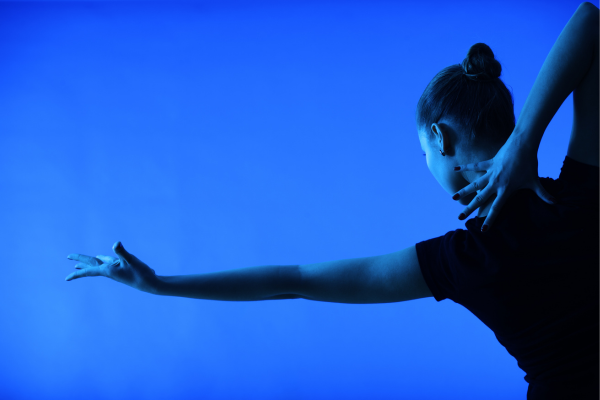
(120, 251)
(544, 195)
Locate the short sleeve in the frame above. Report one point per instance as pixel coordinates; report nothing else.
(579, 185)
(436, 260)
(578, 173)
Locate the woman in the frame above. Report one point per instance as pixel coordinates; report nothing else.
(532, 279)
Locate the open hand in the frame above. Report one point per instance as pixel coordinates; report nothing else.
(514, 167)
(125, 268)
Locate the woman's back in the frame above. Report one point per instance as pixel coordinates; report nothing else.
(533, 279)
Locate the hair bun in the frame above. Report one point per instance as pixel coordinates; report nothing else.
(480, 58)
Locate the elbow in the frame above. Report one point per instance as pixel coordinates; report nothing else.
(587, 17)
(587, 7)
(290, 280)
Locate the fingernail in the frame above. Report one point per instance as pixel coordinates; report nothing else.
(457, 168)
(456, 196)
(484, 228)
(462, 216)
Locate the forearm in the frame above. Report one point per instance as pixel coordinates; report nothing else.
(564, 68)
(270, 282)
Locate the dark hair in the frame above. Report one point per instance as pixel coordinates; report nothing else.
(481, 107)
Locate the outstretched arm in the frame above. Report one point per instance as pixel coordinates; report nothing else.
(386, 278)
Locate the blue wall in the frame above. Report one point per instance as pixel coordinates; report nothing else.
(215, 135)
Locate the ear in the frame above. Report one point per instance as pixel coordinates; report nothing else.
(439, 134)
(444, 136)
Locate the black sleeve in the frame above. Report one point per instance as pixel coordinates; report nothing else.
(578, 184)
(440, 265)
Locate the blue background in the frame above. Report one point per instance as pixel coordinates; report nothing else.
(215, 135)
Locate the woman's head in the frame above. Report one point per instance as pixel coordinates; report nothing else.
(467, 112)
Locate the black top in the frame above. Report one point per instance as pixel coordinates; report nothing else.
(532, 278)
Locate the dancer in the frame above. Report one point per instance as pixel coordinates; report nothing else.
(526, 265)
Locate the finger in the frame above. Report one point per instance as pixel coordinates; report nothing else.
(122, 253)
(81, 266)
(478, 166)
(92, 271)
(477, 201)
(106, 259)
(494, 211)
(83, 258)
(476, 185)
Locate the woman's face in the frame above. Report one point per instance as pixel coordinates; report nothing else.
(442, 167)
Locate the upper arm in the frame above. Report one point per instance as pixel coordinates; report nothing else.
(386, 278)
(584, 140)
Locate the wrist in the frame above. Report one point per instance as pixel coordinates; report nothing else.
(155, 285)
(526, 139)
